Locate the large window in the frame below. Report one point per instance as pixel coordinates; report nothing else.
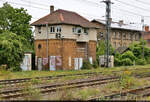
(124, 36)
(39, 30)
(52, 29)
(119, 35)
(114, 35)
(58, 29)
(114, 44)
(78, 30)
(86, 31)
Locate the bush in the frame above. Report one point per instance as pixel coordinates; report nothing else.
(117, 62)
(141, 62)
(86, 65)
(126, 62)
(129, 55)
(95, 64)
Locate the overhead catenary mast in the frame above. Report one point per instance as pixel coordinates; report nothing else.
(108, 24)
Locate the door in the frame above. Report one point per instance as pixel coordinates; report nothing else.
(52, 63)
(76, 64)
(39, 64)
(80, 63)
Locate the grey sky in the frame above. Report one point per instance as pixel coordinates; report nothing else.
(127, 10)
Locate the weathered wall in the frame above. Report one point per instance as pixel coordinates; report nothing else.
(68, 49)
(66, 33)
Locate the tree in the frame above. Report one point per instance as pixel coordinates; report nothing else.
(17, 21)
(101, 49)
(11, 50)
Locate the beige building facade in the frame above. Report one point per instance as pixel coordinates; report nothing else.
(120, 35)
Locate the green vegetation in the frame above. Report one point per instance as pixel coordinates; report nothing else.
(15, 36)
(134, 55)
(86, 65)
(31, 74)
(11, 50)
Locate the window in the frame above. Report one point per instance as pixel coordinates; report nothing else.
(114, 44)
(119, 44)
(74, 30)
(124, 44)
(124, 36)
(58, 29)
(52, 29)
(119, 35)
(114, 35)
(39, 30)
(86, 31)
(78, 30)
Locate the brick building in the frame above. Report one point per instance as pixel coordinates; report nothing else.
(146, 35)
(65, 42)
(122, 35)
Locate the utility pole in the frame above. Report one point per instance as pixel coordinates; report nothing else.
(108, 24)
(142, 21)
(47, 42)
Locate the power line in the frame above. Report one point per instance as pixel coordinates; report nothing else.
(128, 4)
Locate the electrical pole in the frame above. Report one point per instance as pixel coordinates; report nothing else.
(108, 24)
(142, 21)
(47, 42)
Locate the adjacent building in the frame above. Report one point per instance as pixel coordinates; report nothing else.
(63, 39)
(121, 36)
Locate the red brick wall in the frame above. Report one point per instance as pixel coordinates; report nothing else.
(65, 48)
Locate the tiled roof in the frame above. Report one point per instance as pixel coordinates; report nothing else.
(116, 25)
(64, 17)
(121, 49)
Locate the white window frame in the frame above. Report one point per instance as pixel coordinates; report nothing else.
(53, 31)
(58, 29)
(39, 30)
(87, 31)
(78, 28)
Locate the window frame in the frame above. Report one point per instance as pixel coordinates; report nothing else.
(52, 30)
(39, 29)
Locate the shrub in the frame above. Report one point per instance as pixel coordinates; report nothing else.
(95, 64)
(117, 62)
(141, 62)
(126, 62)
(86, 65)
(129, 55)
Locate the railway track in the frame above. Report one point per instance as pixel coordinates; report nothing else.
(15, 81)
(142, 92)
(14, 93)
(19, 92)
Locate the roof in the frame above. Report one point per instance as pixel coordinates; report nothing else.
(146, 35)
(116, 25)
(121, 49)
(64, 17)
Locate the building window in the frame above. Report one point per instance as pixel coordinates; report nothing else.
(124, 36)
(52, 29)
(119, 44)
(78, 30)
(86, 31)
(119, 35)
(114, 35)
(124, 44)
(74, 30)
(58, 29)
(114, 44)
(39, 30)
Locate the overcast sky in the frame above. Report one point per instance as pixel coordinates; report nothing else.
(130, 11)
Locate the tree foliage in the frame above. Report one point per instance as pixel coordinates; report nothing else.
(16, 20)
(11, 49)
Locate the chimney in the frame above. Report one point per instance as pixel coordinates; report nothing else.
(51, 8)
(146, 28)
(120, 22)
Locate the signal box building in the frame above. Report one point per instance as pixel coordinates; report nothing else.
(63, 40)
